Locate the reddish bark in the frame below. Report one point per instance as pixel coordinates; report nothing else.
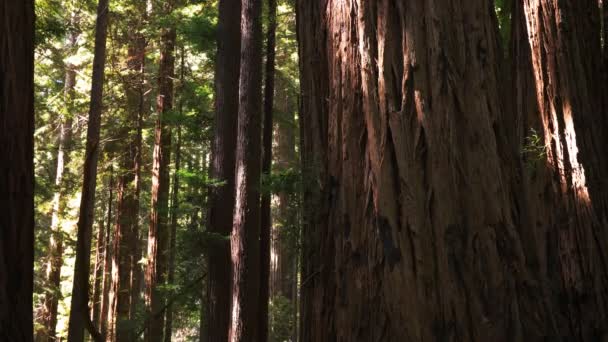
(158, 234)
(409, 230)
(245, 246)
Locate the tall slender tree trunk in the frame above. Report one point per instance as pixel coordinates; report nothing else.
(221, 198)
(409, 229)
(104, 306)
(127, 222)
(53, 271)
(245, 245)
(79, 315)
(158, 233)
(175, 207)
(98, 272)
(266, 219)
(173, 240)
(16, 169)
(556, 48)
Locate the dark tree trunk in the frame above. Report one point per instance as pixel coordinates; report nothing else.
(107, 262)
(173, 240)
(221, 198)
(79, 314)
(409, 229)
(127, 223)
(245, 245)
(158, 234)
(559, 105)
(53, 272)
(16, 169)
(266, 220)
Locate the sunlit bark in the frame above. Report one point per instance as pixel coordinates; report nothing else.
(245, 245)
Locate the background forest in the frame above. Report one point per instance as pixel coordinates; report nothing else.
(303, 170)
(64, 57)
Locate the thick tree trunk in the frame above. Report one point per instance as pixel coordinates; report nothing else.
(53, 271)
(560, 107)
(107, 262)
(266, 219)
(245, 245)
(16, 170)
(79, 315)
(158, 233)
(221, 197)
(409, 228)
(127, 225)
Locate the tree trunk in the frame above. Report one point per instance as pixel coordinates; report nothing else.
(266, 220)
(409, 228)
(158, 234)
(246, 225)
(16, 170)
(79, 315)
(127, 225)
(53, 271)
(172, 244)
(559, 105)
(107, 262)
(221, 197)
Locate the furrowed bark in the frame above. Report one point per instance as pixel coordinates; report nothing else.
(245, 245)
(556, 50)
(409, 225)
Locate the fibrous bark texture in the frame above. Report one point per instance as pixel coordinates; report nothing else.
(409, 226)
(79, 313)
(16, 169)
(556, 55)
(221, 197)
(245, 245)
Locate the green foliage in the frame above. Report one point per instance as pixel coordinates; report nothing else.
(281, 319)
(534, 150)
(503, 14)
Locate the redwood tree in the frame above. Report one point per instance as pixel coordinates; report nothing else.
(557, 54)
(245, 236)
(266, 220)
(79, 313)
(221, 197)
(16, 169)
(409, 228)
(158, 232)
(127, 226)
